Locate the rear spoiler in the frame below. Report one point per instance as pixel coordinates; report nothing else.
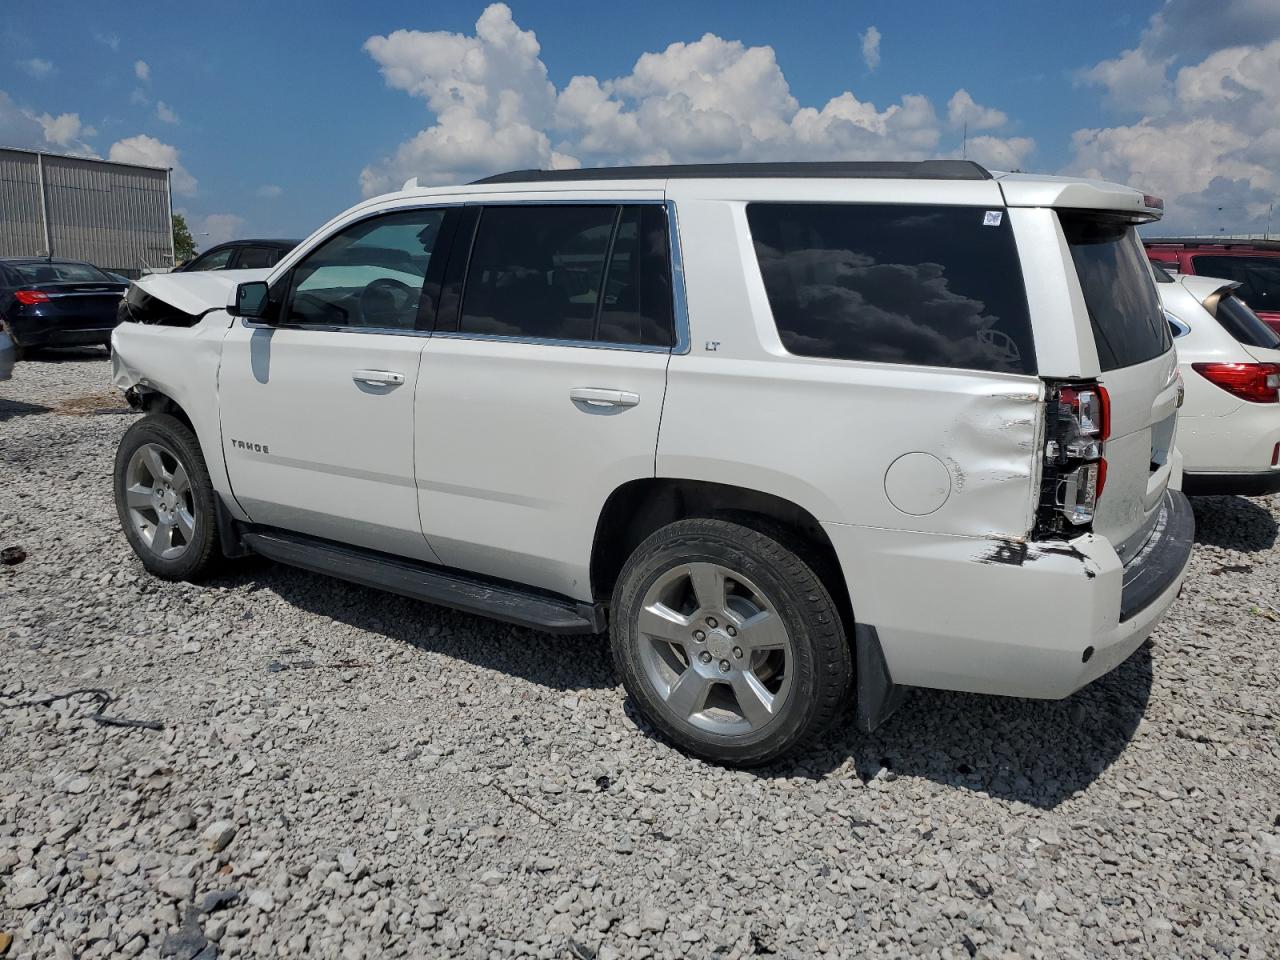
(1072, 193)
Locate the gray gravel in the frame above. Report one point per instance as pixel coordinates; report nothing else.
(342, 773)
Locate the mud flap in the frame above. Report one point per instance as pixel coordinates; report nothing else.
(229, 538)
(877, 695)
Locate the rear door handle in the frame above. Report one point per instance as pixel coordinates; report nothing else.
(599, 397)
(382, 377)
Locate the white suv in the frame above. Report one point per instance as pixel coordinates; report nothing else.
(790, 432)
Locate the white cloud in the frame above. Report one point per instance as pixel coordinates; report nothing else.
(139, 97)
(963, 111)
(707, 100)
(166, 113)
(20, 127)
(871, 47)
(1207, 131)
(153, 153)
(40, 69)
(218, 228)
(63, 129)
(269, 190)
(142, 70)
(111, 40)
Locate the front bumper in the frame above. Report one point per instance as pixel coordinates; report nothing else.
(1011, 617)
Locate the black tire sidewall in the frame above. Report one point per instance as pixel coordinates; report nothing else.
(796, 598)
(200, 556)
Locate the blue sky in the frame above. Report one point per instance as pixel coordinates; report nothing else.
(279, 115)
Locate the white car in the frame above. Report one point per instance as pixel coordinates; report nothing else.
(789, 432)
(1229, 427)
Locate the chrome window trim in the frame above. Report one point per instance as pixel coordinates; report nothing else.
(1180, 328)
(680, 308)
(555, 342)
(329, 328)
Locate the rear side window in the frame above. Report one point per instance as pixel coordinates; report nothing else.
(257, 257)
(1243, 324)
(575, 272)
(935, 286)
(1259, 277)
(1124, 310)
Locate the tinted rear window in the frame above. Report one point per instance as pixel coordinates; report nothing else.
(1124, 310)
(1243, 324)
(1259, 277)
(895, 283)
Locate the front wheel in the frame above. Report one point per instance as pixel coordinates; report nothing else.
(728, 642)
(165, 499)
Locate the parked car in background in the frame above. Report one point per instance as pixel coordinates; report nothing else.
(57, 303)
(763, 422)
(8, 355)
(1229, 426)
(239, 255)
(1253, 264)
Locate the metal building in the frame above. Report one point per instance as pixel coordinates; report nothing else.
(117, 216)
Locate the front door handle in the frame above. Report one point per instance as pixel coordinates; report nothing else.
(380, 377)
(599, 397)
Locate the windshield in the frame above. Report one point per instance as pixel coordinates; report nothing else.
(1124, 310)
(59, 273)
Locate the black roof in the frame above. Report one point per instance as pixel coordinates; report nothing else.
(1214, 242)
(838, 169)
(256, 243)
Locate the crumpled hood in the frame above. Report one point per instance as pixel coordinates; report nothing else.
(198, 292)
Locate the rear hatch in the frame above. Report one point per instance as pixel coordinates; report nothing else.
(1138, 372)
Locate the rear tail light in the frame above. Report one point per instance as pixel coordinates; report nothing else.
(29, 297)
(1075, 471)
(1255, 382)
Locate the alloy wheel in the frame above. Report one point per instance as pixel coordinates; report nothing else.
(160, 500)
(715, 649)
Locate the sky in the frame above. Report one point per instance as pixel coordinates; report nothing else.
(275, 117)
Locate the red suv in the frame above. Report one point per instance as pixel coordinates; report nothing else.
(1254, 264)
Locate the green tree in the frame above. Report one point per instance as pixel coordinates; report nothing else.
(184, 245)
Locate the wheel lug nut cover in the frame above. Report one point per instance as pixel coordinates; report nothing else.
(724, 666)
(731, 630)
(699, 635)
(711, 622)
(737, 652)
(705, 657)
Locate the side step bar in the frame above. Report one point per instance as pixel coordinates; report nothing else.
(448, 588)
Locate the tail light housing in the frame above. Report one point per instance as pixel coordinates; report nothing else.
(1255, 382)
(1078, 423)
(29, 297)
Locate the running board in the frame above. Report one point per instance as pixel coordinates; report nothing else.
(448, 588)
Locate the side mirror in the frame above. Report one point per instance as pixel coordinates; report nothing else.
(252, 300)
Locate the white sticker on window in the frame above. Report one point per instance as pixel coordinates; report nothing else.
(992, 218)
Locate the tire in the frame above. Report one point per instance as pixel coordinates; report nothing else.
(717, 697)
(180, 508)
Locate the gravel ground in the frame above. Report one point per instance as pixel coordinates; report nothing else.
(342, 773)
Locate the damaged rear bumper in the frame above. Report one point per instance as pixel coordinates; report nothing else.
(1010, 617)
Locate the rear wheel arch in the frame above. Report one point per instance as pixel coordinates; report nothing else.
(638, 508)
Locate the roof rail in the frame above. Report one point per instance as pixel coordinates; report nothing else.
(1259, 242)
(874, 170)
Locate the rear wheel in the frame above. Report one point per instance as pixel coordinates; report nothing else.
(728, 642)
(165, 499)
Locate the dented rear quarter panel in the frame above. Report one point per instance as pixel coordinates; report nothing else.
(823, 433)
